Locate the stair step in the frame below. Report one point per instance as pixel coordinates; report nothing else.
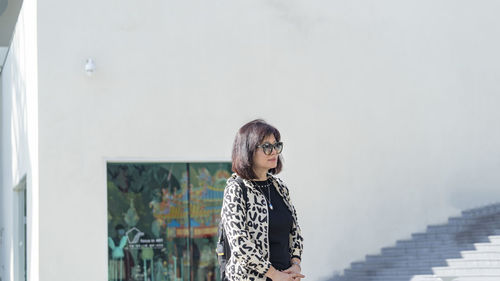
(465, 271)
(494, 239)
(425, 278)
(487, 247)
(473, 263)
(480, 255)
(470, 278)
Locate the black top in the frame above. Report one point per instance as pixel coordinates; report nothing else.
(280, 225)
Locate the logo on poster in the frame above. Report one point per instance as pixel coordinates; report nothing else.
(135, 234)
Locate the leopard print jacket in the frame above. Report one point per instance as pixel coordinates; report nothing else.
(247, 230)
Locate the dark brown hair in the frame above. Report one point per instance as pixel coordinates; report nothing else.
(245, 145)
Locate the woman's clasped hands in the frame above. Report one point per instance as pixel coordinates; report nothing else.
(290, 274)
(295, 269)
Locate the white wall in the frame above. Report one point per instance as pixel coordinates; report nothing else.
(387, 109)
(19, 143)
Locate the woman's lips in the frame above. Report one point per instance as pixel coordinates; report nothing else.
(272, 159)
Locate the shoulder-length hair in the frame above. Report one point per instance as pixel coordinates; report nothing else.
(245, 145)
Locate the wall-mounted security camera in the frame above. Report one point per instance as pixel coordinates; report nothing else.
(90, 67)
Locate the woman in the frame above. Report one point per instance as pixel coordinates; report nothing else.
(261, 227)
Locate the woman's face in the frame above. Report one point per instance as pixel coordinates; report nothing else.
(261, 161)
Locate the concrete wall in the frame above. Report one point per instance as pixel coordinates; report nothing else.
(387, 109)
(19, 145)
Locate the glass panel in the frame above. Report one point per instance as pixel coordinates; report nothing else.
(25, 233)
(20, 251)
(207, 188)
(154, 234)
(147, 222)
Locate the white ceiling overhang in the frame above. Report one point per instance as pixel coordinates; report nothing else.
(9, 12)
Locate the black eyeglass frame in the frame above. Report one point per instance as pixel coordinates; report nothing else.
(267, 147)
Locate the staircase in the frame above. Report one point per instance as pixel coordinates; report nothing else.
(466, 248)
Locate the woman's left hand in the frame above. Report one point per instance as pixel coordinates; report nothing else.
(293, 269)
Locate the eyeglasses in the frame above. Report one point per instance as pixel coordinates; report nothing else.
(268, 148)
